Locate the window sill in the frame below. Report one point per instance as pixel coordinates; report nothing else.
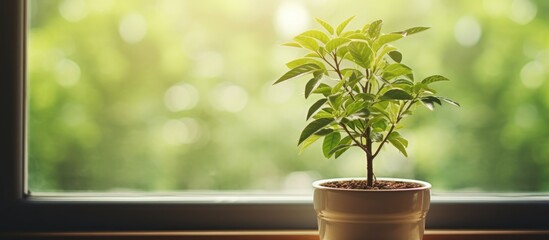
(278, 235)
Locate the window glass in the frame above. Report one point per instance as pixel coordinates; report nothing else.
(172, 95)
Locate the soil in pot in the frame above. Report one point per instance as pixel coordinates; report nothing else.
(378, 185)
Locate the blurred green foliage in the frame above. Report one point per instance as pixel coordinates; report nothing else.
(168, 95)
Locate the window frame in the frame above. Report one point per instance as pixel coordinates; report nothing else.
(21, 212)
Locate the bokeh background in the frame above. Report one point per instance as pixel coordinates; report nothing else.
(171, 95)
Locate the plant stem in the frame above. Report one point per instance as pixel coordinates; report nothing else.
(384, 140)
(399, 117)
(338, 71)
(328, 62)
(369, 161)
(358, 143)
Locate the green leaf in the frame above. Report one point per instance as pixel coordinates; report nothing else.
(397, 136)
(376, 136)
(398, 142)
(335, 43)
(375, 29)
(381, 105)
(307, 42)
(343, 25)
(384, 50)
(313, 127)
(336, 101)
(316, 35)
(396, 94)
(341, 151)
(307, 143)
(346, 121)
(379, 124)
(322, 52)
(413, 30)
(366, 96)
(325, 25)
(312, 55)
(450, 101)
(365, 28)
(352, 71)
(396, 70)
(428, 105)
(292, 44)
(387, 38)
(323, 89)
(312, 84)
(338, 86)
(346, 142)
(297, 71)
(305, 60)
(396, 56)
(358, 36)
(404, 84)
(330, 142)
(421, 89)
(323, 114)
(353, 80)
(403, 81)
(430, 101)
(342, 51)
(360, 114)
(407, 113)
(346, 34)
(339, 148)
(324, 132)
(434, 78)
(314, 108)
(356, 106)
(361, 52)
(382, 79)
(328, 110)
(428, 90)
(355, 124)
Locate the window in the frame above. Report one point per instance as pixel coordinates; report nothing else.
(178, 95)
(23, 211)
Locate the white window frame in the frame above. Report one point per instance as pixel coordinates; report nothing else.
(20, 211)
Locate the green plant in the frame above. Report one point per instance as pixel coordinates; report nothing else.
(365, 89)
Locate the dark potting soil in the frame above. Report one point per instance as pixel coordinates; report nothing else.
(378, 185)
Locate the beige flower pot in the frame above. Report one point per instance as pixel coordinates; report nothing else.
(371, 214)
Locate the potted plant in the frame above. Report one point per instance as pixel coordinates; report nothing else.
(365, 91)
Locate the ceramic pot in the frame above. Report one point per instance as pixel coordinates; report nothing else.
(346, 214)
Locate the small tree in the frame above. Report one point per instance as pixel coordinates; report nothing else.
(365, 89)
